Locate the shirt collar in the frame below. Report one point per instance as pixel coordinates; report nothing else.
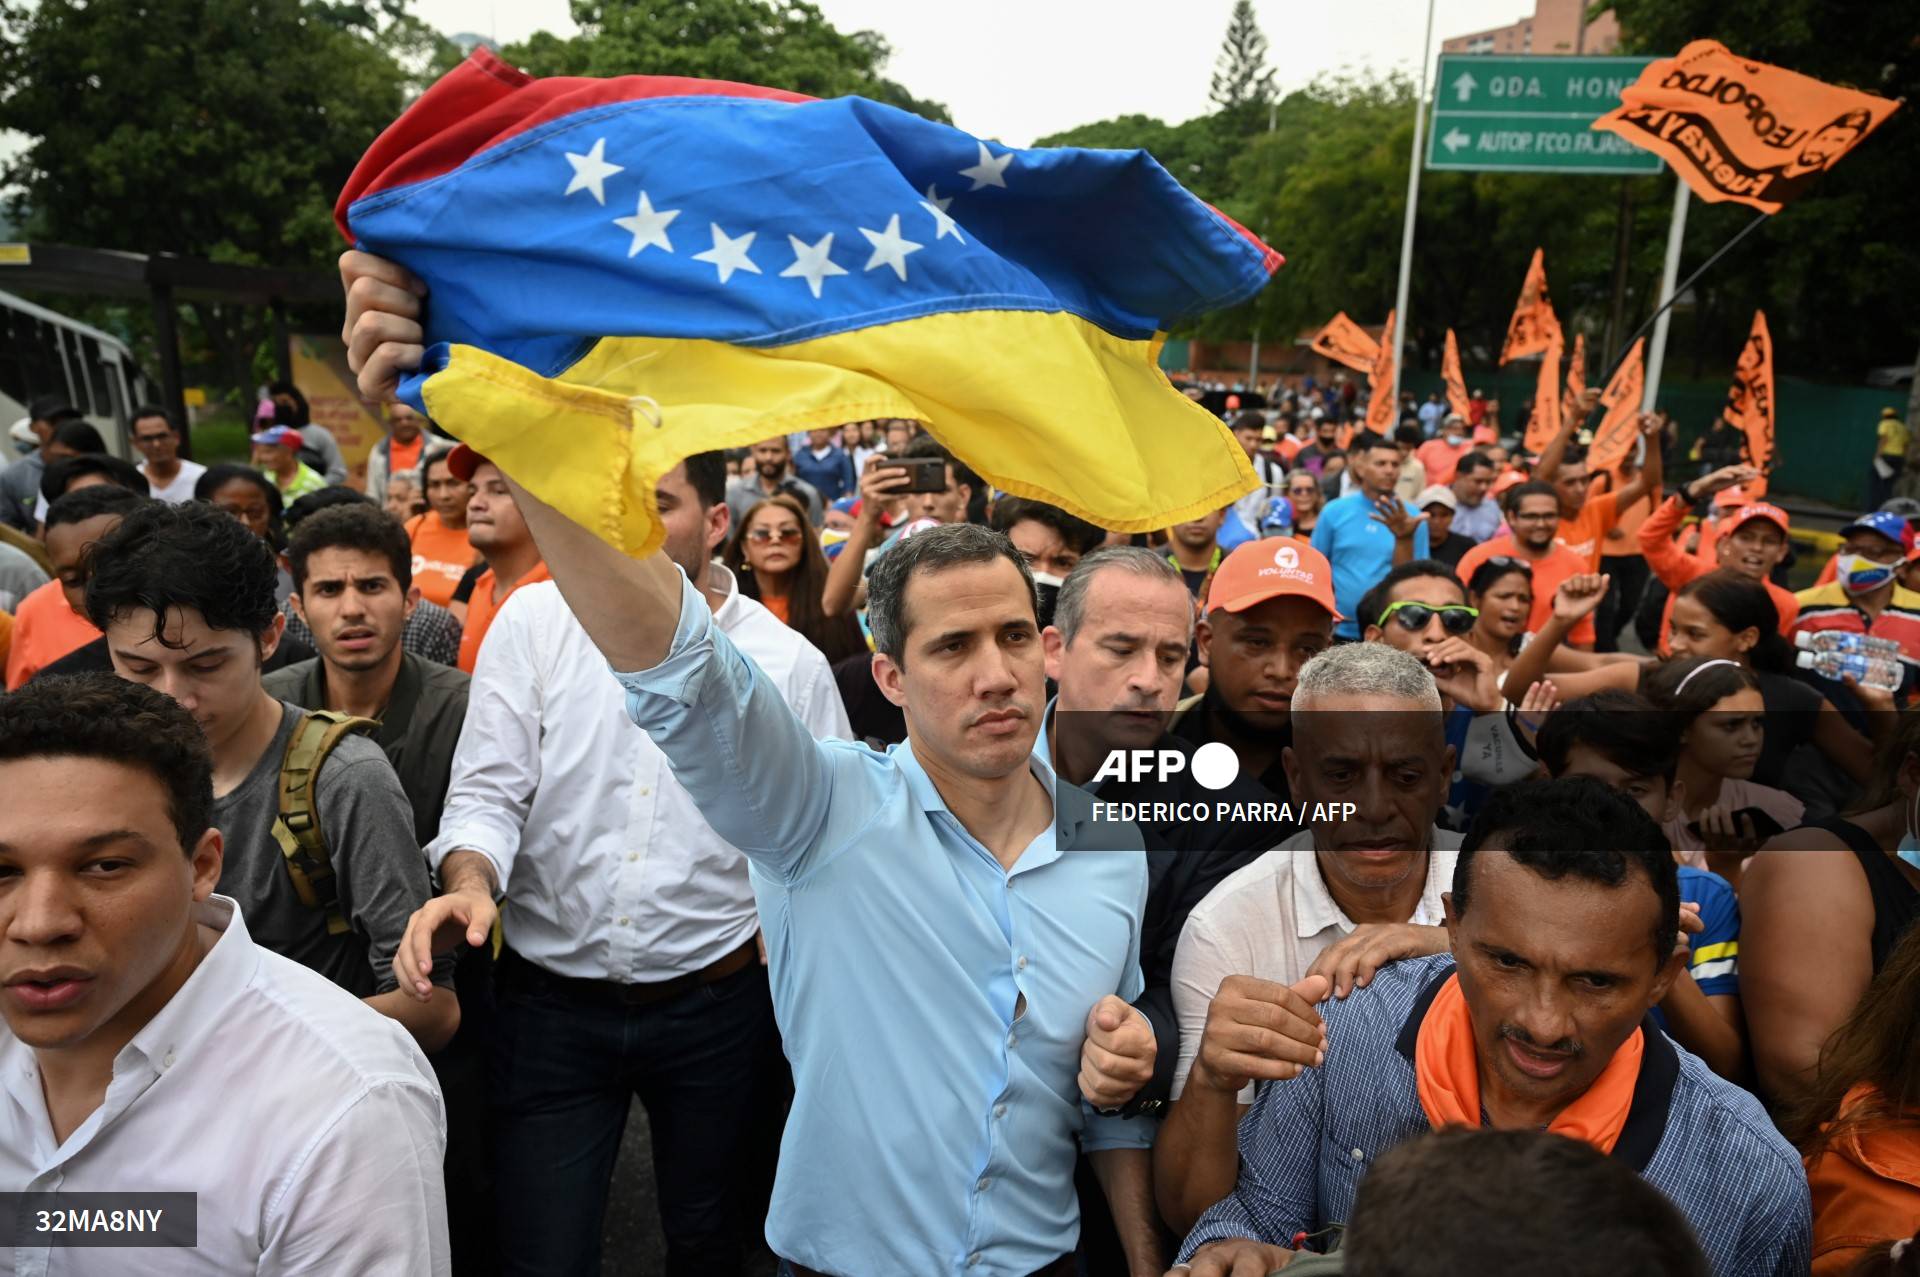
(202, 1001)
(926, 796)
(1315, 909)
(732, 610)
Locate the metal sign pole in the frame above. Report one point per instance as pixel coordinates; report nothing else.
(1401, 326)
(1669, 274)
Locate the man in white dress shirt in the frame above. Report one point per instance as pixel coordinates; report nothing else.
(154, 1048)
(1315, 916)
(631, 964)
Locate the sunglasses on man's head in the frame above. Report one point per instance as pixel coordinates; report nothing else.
(764, 535)
(1455, 618)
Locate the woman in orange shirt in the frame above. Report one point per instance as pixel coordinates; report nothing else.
(1858, 1126)
(441, 552)
(777, 561)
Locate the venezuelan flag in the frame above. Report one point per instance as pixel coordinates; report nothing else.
(627, 271)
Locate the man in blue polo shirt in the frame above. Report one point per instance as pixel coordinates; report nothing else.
(1365, 533)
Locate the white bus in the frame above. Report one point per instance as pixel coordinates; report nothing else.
(43, 352)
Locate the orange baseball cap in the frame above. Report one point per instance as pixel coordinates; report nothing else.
(1755, 510)
(1269, 568)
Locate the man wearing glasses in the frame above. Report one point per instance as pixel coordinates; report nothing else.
(169, 477)
(1533, 519)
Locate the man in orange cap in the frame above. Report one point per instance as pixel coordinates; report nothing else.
(1752, 541)
(1269, 611)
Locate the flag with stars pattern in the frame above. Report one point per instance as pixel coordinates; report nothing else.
(623, 272)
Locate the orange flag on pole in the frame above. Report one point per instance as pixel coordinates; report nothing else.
(1544, 423)
(1346, 342)
(1533, 321)
(1742, 131)
(1750, 400)
(1457, 401)
(1620, 424)
(1382, 412)
(1576, 377)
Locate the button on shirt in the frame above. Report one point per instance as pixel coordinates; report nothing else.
(1702, 1141)
(309, 1125)
(1270, 920)
(609, 870)
(933, 1128)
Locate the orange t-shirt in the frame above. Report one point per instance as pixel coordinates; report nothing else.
(1441, 458)
(481, 609)
(1586, 531)
(1549, 571)
(1865, 1186)
(404, 456)
(441, 556)
(44, 630)
(781, 605)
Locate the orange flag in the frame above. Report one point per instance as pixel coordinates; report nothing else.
(1739, 130)
(1576, 376)
(1544, 424)
(1750, 400)
(1620, 425)
(1382, 411)
(1346, 342)
(1456, 383)
(1533, 321)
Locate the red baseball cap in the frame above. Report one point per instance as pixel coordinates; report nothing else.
(1268, 569)
(463, 461)
(1754, 510)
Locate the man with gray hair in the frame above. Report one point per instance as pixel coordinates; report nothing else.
(1314, 917)
(1117, 649)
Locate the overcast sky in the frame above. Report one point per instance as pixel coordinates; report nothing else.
(1021, 69)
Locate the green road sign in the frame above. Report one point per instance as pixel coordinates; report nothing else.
(1532, 115)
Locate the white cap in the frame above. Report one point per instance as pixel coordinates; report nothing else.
(1804, 660)
(1438, 494)
(21, 432)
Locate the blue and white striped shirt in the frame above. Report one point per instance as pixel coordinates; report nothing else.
(1307, 1143)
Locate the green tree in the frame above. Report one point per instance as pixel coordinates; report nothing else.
(1242, 82)
(209, 128)
(1835, 271)
(782, 44)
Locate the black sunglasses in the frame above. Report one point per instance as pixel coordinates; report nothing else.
(1455, 618)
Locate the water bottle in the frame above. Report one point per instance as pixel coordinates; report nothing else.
(1846, 641)
(1869, 671)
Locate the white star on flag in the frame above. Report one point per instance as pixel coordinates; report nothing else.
(943, 225)
(890, 248)
(591, 171)
(990, 171)
(811, 263)
(649, 226)
(728, 253)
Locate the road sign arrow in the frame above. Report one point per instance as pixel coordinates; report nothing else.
(1465, 84)
(1454, 140)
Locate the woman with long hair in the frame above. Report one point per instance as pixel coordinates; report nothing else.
(1720, 616)
(1715, 708)
(1501, 588)
(1858, 1125)
(1303, 492)
(1822, 909)
(778, 562)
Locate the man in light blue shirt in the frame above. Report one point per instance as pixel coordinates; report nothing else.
(951, 983)
(1365, 533)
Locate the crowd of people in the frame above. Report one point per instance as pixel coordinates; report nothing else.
(1497, 949)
